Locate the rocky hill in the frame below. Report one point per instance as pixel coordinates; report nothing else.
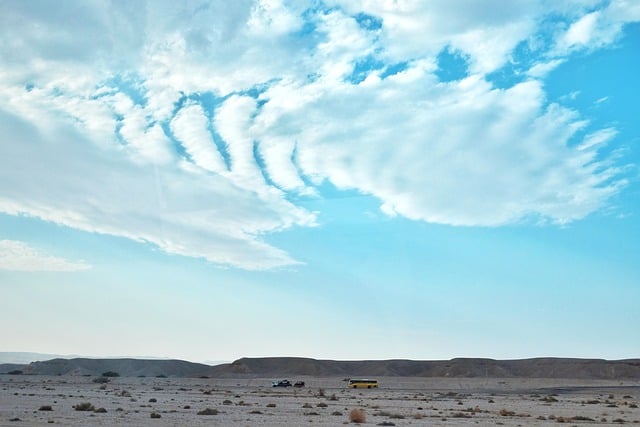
(296, 366)
(461, 367)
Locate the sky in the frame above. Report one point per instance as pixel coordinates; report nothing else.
(363, 179)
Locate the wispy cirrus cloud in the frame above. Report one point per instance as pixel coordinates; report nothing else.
(192, 129)
(19, 256)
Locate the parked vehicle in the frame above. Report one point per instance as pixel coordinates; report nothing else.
(281, 383)
(362, 383)
(299, 384)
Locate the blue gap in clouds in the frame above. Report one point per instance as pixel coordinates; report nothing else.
(368, 22)
(296, 164)
(130, 85)
(514, 71)
(209, 103)
(179, 149)
(362, 68)
(452, 66)
(257, 157)
(394, 69)
(607, 92)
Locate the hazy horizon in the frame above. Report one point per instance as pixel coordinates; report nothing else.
(344, 180)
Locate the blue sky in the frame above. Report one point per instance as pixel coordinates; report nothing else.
(353, 180)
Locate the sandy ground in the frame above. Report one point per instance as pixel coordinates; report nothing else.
(323, 402)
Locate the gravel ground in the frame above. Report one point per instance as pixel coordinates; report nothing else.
(24, 401)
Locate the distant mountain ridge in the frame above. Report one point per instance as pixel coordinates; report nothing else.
(298, 366)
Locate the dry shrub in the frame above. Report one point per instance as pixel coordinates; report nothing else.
(357, 416)
(506, 413)
(85, 406)
(271, 405)
(155, 415)
(46, 408)
(208, 411)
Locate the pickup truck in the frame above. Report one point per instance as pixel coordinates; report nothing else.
(281, 383)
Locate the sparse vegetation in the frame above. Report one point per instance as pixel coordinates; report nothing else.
(209, 411)
(227, 402)
(45, 408)
(322, 405)
(100, 411)
(357, 416)
(110, 374)
(155, 415)
(271, 405)
(101, 380)
(85, 406)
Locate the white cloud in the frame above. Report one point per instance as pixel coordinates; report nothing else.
(191, 127)
(272, 81)
(541, 69)
(598, 28)
(18, 256)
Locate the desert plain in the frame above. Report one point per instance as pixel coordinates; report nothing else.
(38, 400)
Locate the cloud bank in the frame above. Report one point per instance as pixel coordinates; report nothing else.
(197, 127)
(18, 256)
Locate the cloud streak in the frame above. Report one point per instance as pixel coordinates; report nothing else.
(18, 256)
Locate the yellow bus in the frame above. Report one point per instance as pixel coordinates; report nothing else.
(362, 383)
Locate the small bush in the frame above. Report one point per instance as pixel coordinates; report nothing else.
(85, 406)
(581, 418)
(101, 380)
(505, 413)
(110, 374)
(45, 408)
(333, 397)
(100, 411)
(153, 400)
(227, 402)
(336, 413)
(357, 416)
(320, 392)
(322, 405)
(155, 415)
(307, 406)
(208, 411)
(255, 411)
(271, 405)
